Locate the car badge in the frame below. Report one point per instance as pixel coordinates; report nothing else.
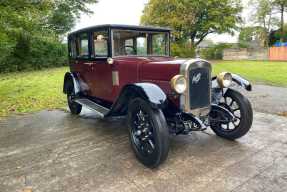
(196, 78)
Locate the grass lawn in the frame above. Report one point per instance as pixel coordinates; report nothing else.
(33, 91)
(262, 72)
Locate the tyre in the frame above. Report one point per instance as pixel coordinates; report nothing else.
(241, 108)
(148, 132)
(74, 107)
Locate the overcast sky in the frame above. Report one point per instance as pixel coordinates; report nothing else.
(129, 12)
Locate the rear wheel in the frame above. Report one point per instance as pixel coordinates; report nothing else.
(148, 132)
(241, 108)
(74, 107)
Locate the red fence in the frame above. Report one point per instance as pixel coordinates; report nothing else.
(278, 54)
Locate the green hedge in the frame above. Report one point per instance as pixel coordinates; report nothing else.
(215, 52)
(183, 50)
(31, 53)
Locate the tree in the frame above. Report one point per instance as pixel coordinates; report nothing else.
(253, 36)
(282, 6)
(193, 20)
(64, 13)
(30, 31)
(264, 14)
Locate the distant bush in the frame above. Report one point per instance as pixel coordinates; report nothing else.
(31, 31)
(215, 52)
(251, 37)
(28, 52)
(278, 36)
(182, 50)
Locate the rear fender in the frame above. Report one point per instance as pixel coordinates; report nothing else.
(152, 93)
(71, 79)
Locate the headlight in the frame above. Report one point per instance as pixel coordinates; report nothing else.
(224, 79)
(178, 84)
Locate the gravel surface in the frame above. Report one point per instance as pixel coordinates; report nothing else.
(55, 151)
(268, 99)
(59, 152)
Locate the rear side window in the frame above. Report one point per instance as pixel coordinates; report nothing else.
(100, 40)
(73, 48)
(83, 45)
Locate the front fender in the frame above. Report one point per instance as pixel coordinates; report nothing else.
(237, 80)
(242, 82)
(152, 93)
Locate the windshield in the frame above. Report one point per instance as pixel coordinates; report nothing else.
(126, 42)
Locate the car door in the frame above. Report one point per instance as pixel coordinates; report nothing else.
(101, 72)
(80, 60)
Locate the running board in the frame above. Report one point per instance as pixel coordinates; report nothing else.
(102, 111)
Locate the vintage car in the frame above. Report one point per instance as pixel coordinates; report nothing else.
(127, 71)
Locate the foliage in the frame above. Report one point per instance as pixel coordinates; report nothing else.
(182, 49)
(215, 52)
(249, 34)
(34, 53)
(267, 17)
(24, 92)
(64, 13)
(278, 35)
(264, 15)
(31, 31)
(282, 7)
(193, 20)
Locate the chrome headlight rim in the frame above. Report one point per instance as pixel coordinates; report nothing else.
(178, 84)
(224, 79)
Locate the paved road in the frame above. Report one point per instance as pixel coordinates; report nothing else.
(268, 99)
(53, 151)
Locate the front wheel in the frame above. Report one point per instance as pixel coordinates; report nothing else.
(241, 108)
(148, 132)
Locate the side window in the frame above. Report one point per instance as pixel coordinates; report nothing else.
(72, 48)
(129, 47)
(83, 45)
(100, 40)
(159, 44)
(142, 46)
(129, 42)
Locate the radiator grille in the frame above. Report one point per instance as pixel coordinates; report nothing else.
(199, 88)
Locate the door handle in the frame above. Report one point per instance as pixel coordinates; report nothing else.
(89, 64)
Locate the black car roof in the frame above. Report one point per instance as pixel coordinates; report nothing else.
(126, 27)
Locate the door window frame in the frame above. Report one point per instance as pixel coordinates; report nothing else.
(72, 47)
(78, 39)
(92, 54)
(149, 41)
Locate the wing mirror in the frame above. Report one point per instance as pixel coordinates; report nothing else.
(110, 61)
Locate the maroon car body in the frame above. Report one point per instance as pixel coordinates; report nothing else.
(119, 70)
(97, 75)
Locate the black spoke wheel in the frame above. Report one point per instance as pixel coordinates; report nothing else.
(241, 108)
(74, 107)
(148, 133)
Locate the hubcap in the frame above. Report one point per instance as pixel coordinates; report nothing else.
(142, 133)
(234, 108)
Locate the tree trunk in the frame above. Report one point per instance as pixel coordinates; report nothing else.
(191, 43)
(282, 22)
